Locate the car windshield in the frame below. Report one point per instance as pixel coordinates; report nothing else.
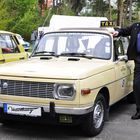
(20, 39)
(95, 45)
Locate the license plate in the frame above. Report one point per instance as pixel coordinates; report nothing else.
(22, 110)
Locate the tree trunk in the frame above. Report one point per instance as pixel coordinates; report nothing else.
(130, 12)
(120, 12)
(110, 10)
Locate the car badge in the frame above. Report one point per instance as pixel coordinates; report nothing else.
(5, 85)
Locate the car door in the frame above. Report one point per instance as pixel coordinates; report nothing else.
(122, 69)
(130, 66)
(11, 48)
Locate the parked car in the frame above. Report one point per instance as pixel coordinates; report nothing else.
(73, 77)
(25, 44)
(10, 48)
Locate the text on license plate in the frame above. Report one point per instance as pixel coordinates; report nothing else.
(22, 110)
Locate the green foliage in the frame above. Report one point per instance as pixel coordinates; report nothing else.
(64, 9)
(23, 16)
(99, 7)
(75, 6)
(4, 16)
(27, 24)
(20, 16)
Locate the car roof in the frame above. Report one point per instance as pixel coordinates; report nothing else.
(107, 30)
(97, 30)
(6, 32)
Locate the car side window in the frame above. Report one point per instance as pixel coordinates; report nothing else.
(8, 44)
(118, 48)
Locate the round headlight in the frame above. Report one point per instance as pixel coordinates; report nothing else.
(64, 91)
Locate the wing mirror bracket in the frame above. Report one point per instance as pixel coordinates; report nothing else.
(122, 58)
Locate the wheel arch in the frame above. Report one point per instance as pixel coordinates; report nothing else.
(105, 92)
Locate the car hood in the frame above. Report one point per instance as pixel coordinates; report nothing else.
(55, 68)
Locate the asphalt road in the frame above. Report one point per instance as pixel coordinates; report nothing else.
(119, 127)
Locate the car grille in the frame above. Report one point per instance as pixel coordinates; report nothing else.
(27, 88)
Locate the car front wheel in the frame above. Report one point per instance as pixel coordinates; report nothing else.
(94, 122)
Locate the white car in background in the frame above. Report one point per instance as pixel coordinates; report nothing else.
(25, 44)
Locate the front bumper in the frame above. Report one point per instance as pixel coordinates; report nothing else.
(50, 115)
(51, 108)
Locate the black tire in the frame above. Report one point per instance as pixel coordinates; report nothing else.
(6, 122)
(3, 120)
(94, 122)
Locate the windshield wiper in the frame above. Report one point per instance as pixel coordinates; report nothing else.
(76, 55)
(45, 53)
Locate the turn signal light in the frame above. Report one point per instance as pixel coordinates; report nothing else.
(85, 91)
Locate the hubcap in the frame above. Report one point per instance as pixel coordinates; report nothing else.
(98, 114)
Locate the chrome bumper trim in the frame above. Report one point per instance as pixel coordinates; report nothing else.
(74, 111)
(60, 110)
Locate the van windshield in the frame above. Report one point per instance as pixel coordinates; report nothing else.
(96, 45)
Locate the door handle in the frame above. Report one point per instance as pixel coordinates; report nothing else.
(123, 68)
(21, 58)
(2, 60)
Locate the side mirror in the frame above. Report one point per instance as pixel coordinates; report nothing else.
(122, 58)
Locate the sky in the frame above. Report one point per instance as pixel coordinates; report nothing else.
(113, 2)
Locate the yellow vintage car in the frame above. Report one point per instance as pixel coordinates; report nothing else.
(10, 48)
(73, 77)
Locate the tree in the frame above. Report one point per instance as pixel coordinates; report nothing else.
(76, 5)
(110, 9)
(20, 16)
(99, 7)
(5, 18)
(120, 12)
(126, 14)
